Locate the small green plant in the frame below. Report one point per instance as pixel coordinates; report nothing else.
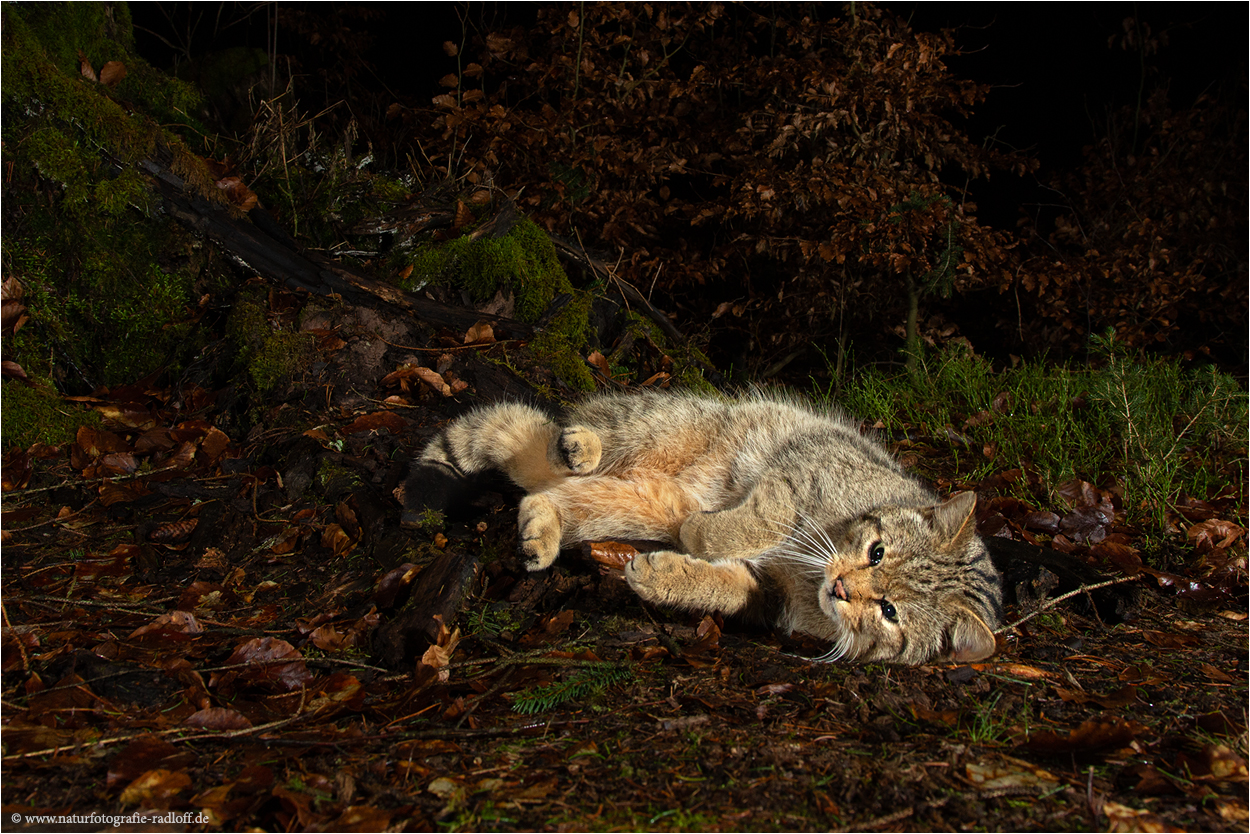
(493, 620)
(586, 683)
(988, 727)
(431, 519)
(1170, 426)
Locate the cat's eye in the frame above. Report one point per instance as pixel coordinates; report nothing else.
(888, 611)
(876, 553)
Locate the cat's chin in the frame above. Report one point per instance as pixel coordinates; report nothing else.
(845, 642)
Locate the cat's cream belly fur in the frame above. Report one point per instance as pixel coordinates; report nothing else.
(768, 505)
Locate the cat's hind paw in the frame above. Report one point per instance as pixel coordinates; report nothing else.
(538, 525)
(580, 449)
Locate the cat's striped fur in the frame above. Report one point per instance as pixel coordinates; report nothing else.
(776, 509)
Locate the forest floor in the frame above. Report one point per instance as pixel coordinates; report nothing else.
(194, 621)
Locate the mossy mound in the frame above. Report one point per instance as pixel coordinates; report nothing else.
(112, 286)
(559, 346)
(270, 357)
(35, 414)
(522, 262)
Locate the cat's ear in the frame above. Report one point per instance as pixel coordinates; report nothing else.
(968, 638)
(956, 516)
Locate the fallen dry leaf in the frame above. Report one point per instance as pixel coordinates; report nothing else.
(615, 555)
(432, 378)
(377, 421)
(180, 621)
(434, 662)
(1010, 774)
(480, 333)
(1093, 738)
(84, 67)
(112, 73)
(270, 662)
(155, 789)
(218, 718)
(600, 362)
(1214, 534)
(1123, 818)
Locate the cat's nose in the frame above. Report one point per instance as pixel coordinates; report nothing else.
(839, 590)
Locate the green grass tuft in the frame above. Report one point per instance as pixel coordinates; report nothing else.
(1161, 430)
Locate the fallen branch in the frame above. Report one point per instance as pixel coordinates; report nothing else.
(1051, 603)
(578, 254)
(80, 482)
(264, 248)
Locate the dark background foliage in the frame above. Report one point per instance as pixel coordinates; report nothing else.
(787, 180)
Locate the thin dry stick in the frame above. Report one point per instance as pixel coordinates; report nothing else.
(1050, 603)
(54, 520)
(109, 606)
(88, 482)
(21, 644)
(225, 734)
(479, 346)
(890, 819)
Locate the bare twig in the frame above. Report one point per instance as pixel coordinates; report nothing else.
(21, 645)
(109, 606)
(54, 520)
(1051, 603)
(224, 734)
(89, 481)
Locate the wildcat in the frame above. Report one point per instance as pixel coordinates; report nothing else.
(777, 510)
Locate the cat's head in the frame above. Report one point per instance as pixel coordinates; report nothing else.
(909, 585)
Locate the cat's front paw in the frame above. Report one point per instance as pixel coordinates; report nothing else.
(538, 525)
(651, 574)
(580, 449)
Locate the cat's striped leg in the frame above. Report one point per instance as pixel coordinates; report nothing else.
(598, 507)
(510, 437)
(759, 523)
(682, 581)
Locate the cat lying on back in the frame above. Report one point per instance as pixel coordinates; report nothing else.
(777, 511)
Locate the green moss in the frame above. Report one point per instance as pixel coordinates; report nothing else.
(97, 295)
(688, 361)
(334, 479)
(431, 520)
(559, 345)
(388, 190)
(282, 357)
(523, 261)
(35, 414)
(271, 358)
(430, 262)
(103, 32)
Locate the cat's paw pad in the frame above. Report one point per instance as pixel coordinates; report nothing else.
(648, 573)
(580, 449)
(538, 525)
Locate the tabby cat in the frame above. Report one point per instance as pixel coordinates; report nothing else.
(776, 510)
